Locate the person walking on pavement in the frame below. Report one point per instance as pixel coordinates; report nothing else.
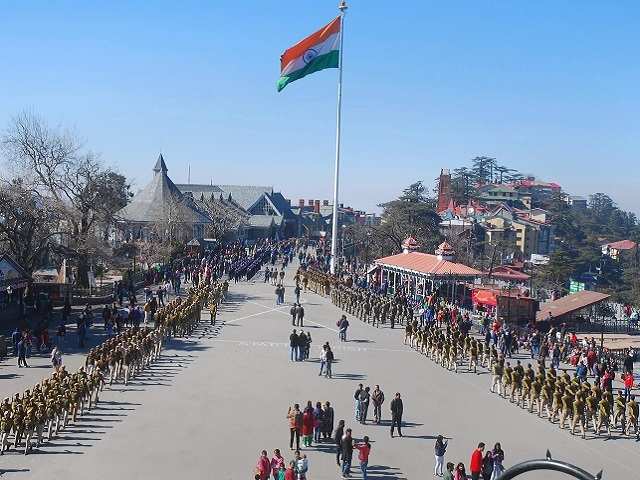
(56, 358)
(343, 325)
(300, 315)
(297, 292)
(347, 453)
(476, 462)
(22, 353)
(396, 408)
(364, 449)
(337, 440)
(377, 396)
(440, 450)
(294, 315)
(16, 336)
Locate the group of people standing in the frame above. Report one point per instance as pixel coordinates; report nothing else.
(485, 464)
(299, 345)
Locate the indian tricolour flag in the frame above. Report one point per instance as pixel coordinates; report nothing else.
(318, 51)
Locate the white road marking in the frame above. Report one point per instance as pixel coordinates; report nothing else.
(343, 348)
(256, 314)
(288, 315)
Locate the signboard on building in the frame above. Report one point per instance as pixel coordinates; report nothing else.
(575, 286)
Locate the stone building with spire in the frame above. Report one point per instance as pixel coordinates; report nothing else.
(161, 210)
(182, 212)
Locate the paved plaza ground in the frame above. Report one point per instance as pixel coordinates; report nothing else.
(214, 401)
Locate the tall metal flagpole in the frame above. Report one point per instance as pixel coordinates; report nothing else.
(334, 227)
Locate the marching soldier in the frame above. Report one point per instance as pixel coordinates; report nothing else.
(632, 417)
(604, 414)
(578, 415)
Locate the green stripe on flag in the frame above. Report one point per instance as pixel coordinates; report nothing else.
(328, 60)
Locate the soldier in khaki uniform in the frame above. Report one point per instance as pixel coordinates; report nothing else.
(578, 415)
(604, 416)
(632, 416)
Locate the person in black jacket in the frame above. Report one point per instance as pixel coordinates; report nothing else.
(337, 439)
(346, 445)
(396, 414)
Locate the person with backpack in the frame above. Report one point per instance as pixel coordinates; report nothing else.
(440, 450)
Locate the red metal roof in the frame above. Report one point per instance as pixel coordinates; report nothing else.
(622, 245)
(570, 303)
(507, 273)
(428, 264)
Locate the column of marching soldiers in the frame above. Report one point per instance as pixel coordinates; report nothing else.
(49, 406)
(368, 306)
(558, 396)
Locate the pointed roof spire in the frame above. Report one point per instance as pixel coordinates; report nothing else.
(160, 165)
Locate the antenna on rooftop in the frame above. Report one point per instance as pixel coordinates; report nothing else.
(189, 175)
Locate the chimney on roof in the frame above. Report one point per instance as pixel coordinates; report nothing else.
(316, 207)
(325, 203)
(301, 202)
(310, 203)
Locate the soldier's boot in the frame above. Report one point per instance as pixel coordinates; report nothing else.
(563, 418)
(27, 443)
(39, 430)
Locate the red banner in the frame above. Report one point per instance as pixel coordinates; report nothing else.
(484, 297)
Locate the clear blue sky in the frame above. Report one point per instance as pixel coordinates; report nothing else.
(547, 87)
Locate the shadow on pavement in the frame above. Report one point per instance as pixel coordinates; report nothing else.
(382, 471)
(349, 376)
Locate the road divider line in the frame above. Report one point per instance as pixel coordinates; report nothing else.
(288, 315)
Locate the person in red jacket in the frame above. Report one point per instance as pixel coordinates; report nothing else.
(308, 420)
(263, 466)
(476, 462)
(290, 472)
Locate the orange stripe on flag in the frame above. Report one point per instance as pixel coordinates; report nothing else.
(303, 45)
